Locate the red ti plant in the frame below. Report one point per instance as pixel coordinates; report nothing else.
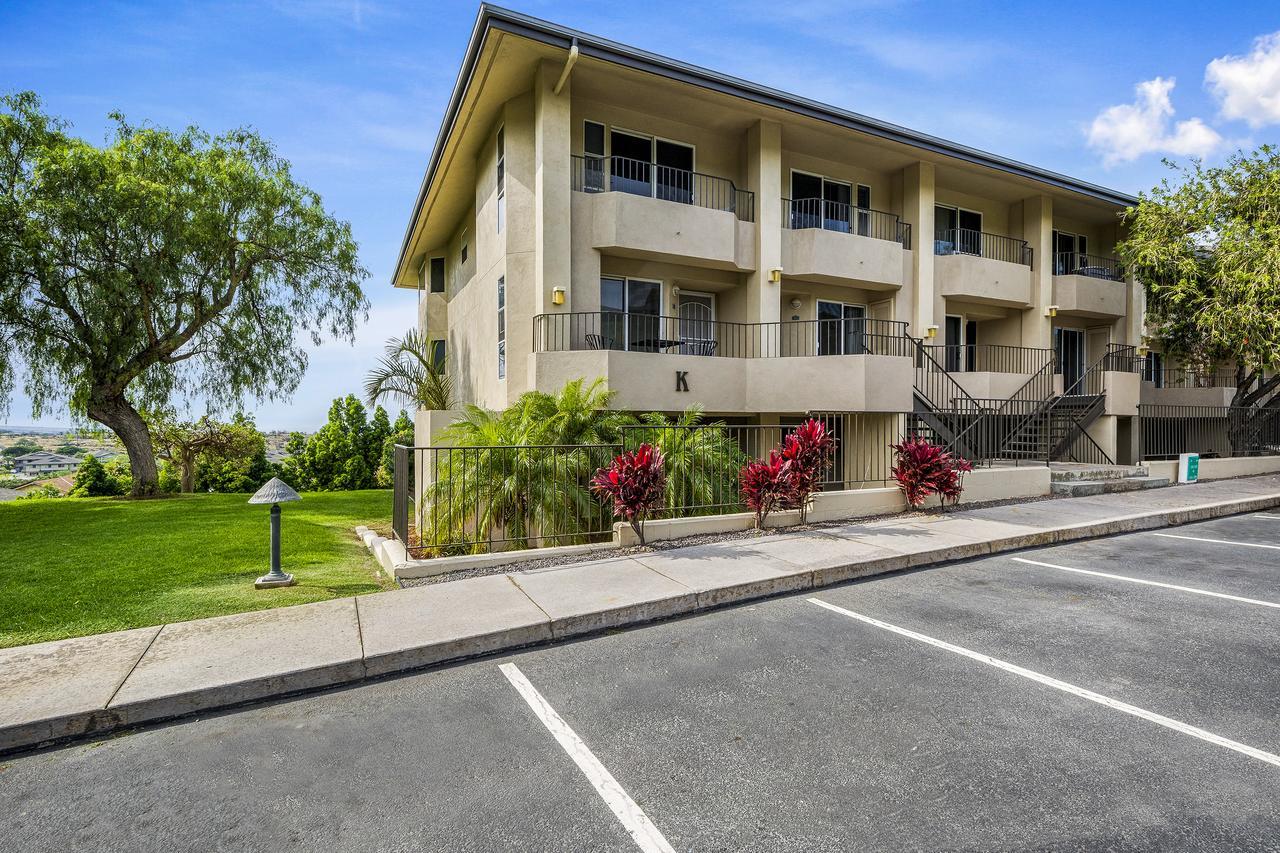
(765, 485)
(808, 451)
(923, 468)
(636, 482)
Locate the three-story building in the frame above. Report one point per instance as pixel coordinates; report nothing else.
(595, 210)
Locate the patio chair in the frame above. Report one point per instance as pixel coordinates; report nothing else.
(599, 342)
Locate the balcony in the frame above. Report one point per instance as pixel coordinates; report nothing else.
(1184, 386)
(832, 243)
(987, 268)
(665, 363)
(990, 371)
(1090, 286)
(644, 210)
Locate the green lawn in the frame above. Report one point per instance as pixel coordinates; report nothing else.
(77, 566)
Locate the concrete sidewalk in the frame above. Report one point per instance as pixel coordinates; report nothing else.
(95, 684)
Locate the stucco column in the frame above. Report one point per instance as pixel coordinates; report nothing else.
(764, 178)
(552, 143)
(917, 210)
(1037, 230)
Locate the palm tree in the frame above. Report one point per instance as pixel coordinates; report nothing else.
(500, 477)
(410, 372)
(703, 460)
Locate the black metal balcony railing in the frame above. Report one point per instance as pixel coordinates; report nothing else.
(997, 247)
(799, 213)
(1186, 377)
(1094, 266)
(621, 174)
(615, 330)
(992, 358)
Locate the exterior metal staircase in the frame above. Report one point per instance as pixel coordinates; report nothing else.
(1034, 423)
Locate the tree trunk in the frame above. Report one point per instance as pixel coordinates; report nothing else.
(115, 413)
(187, 468)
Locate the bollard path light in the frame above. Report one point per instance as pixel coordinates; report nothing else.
(275, 492)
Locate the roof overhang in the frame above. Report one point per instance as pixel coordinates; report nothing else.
(496, 19)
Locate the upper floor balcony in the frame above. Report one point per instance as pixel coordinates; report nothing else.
(834, 243)
(990, 371)
(663, 363)
(981, 267)
(1090, 286)
(647, 210)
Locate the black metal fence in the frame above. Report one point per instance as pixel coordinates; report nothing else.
(1093, 266)
(801, 213)
(1212, 431)
(638, 177)
(994, 358)
(966, 241)
(616, 330)
(458, 500)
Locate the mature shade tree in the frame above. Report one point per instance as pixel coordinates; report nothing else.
(160, 265)
(185, 443)
(1207, 250)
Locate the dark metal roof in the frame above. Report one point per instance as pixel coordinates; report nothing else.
(536, 29)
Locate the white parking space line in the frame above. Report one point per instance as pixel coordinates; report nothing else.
(1217, 541)
(1150, 583)
(634, 820)
(1264, 515)
(1046, 680)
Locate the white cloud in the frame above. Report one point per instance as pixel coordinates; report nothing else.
(1248, 87)
(1125, 132)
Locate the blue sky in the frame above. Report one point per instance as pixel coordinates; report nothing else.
(352, 91)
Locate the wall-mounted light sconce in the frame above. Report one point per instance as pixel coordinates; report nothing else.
(931, 332)
(557, 296)
(1143, 350)
(795, 302)
(1051, 311)
(775, 275)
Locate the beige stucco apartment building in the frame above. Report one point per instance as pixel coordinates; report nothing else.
(591, 209)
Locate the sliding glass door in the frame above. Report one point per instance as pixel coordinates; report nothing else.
(629, 314)
(841, 328)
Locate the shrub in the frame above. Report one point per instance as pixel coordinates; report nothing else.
(923, 468)
(636, 482)
(808, 452)
(765, 485)
(94, 481)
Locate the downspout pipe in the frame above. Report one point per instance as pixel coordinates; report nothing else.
(568, 66)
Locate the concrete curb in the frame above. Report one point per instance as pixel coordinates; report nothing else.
(411, 629)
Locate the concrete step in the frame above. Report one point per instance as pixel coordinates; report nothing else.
(1083, 488)
(1065, 472)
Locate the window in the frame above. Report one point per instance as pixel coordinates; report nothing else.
(817, 202)
(437, 275)
(437, 354)
(462, 255)
(957, 231)
(502, 180)
(502, 327)
(1069, 250)
(1153, 369)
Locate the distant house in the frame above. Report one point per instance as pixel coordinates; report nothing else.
(43, 463)
(63, 484)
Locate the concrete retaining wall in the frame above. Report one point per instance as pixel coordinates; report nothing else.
(1220, 469)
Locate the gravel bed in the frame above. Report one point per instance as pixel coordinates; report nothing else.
(606, 551)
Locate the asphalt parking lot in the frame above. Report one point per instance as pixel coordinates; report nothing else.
(1115, 694)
